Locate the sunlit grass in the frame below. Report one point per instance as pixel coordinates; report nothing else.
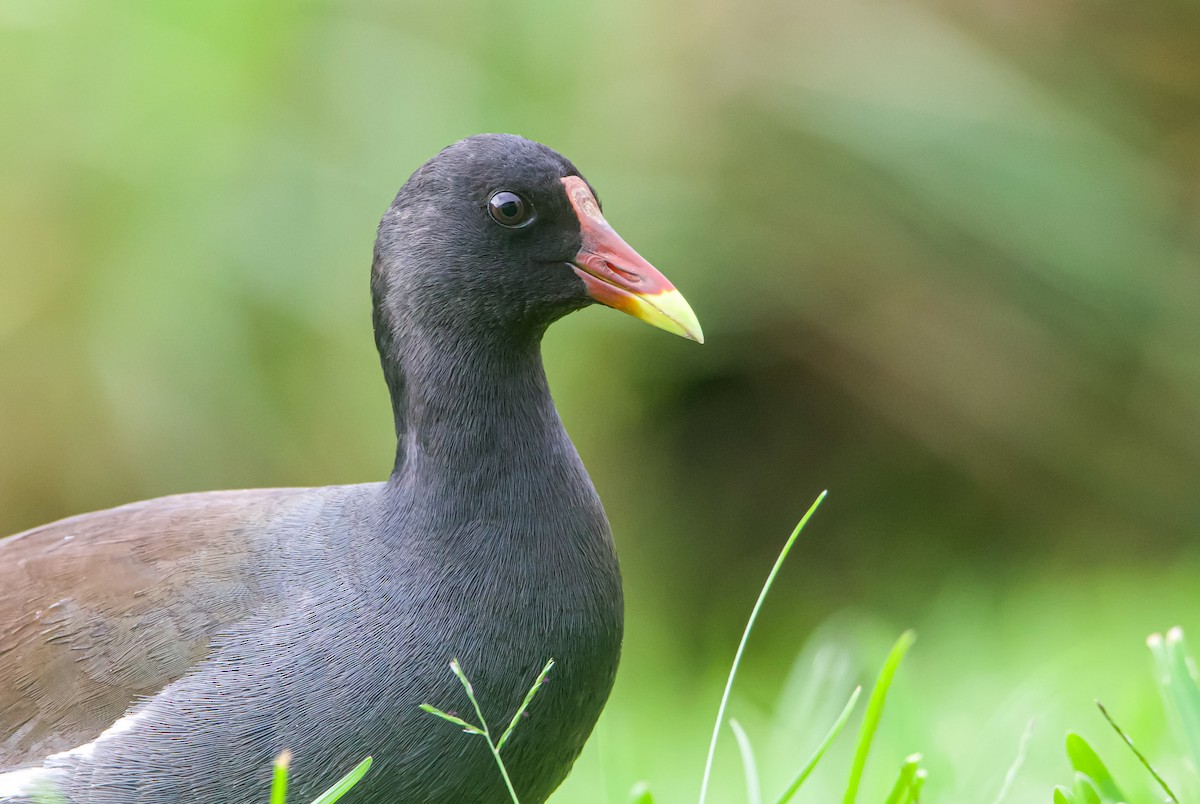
(1179, 685)
(737, 657)
(1005, 668)
(834, 731)
(341, 787)
(1090, 772)
(907, 786)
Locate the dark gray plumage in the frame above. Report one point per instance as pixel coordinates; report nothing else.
(233, 625)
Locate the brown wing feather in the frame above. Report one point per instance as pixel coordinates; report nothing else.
(101, 609)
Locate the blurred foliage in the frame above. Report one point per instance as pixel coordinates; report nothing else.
(946, 254)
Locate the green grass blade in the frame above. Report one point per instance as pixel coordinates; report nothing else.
(1063, 796)
(1171, 797)
(1085, 760)
(737, 657)
(753, 788)
(874, 712)
(1184, 691)
(918, 784)
(902, 789)
(343, 785)
(640, 794)
(1085, 790)
(537, 685)
(821, 748)
(1011, 775)
(279, 778)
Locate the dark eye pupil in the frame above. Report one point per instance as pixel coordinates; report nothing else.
(509, 209)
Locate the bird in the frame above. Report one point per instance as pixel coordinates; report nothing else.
(167, 650)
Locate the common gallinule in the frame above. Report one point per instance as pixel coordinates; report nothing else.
(166, 651)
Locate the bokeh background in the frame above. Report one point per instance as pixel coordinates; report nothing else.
(946, 254)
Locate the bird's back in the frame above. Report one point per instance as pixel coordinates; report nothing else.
(111, 606)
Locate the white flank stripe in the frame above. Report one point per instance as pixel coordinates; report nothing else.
(22, 782)
(85, 751)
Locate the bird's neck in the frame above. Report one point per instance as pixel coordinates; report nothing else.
(470, 410)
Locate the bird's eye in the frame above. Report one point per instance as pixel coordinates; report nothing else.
(509, 209)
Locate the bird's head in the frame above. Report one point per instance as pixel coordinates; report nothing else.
(501, 236)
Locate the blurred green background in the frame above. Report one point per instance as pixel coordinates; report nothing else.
(947, 258)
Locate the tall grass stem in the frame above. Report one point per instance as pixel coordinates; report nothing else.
(737, 658)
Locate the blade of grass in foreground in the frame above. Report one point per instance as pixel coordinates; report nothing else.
(1085, 790)
(640, 794)
(902, 791)
(1085, 760)
(1181, 693)
(1171, 797)
(279, 781)
(874, 712)
(822, 748)
(280, 777)
(343, 785)
(918, 783)
(753, 788)
(737, 657)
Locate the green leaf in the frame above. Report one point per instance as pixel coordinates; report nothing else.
(1085, 790)
(822, 747)
(874, 712)
(1181, 690)
(343, 785)
(1086, 761)
(1063, 796)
